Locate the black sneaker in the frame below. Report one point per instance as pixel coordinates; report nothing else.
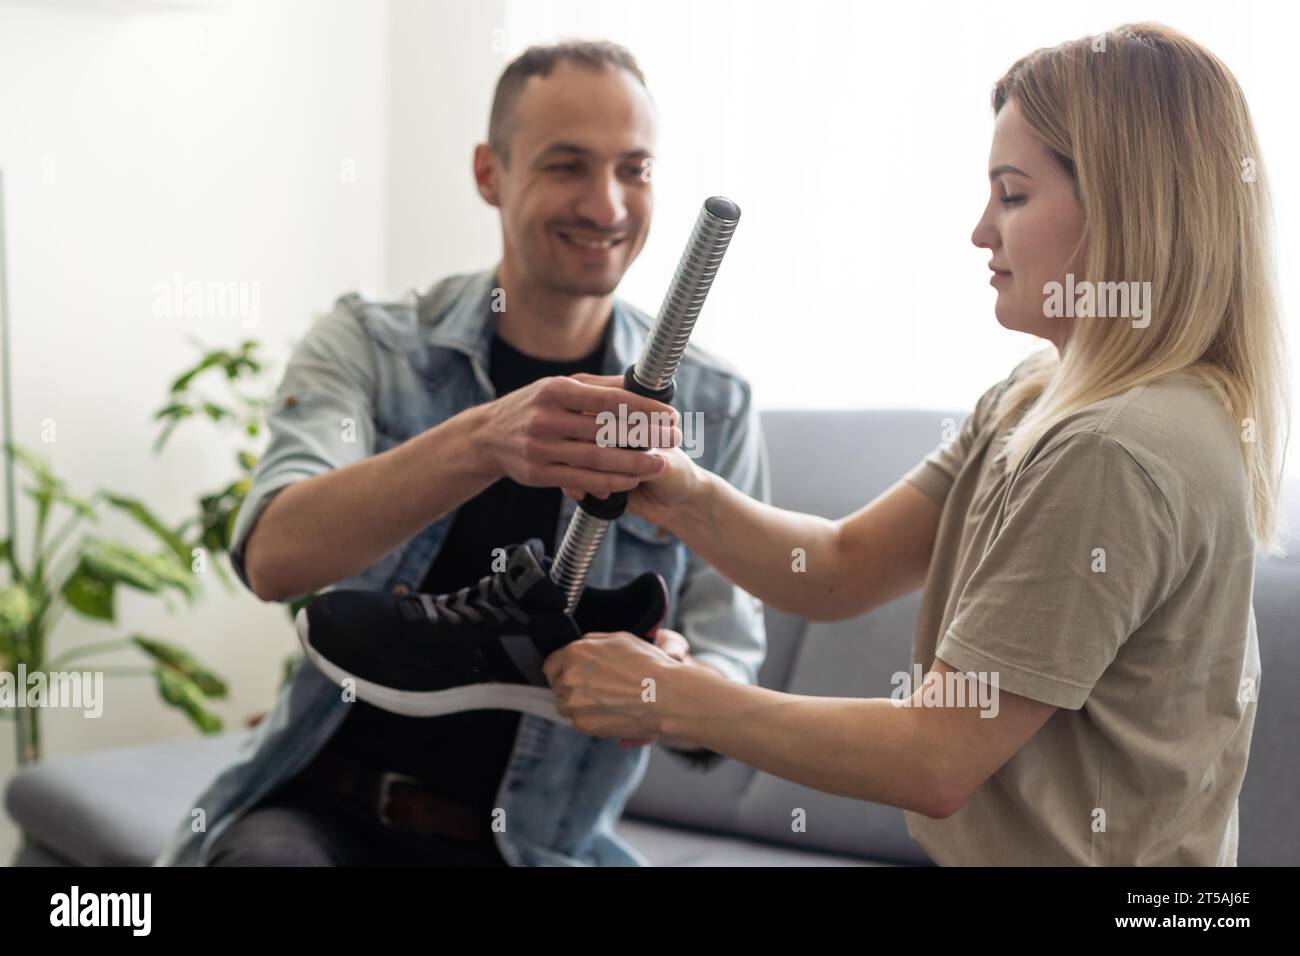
(481, 648)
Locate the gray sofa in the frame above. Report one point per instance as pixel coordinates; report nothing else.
(118, 807)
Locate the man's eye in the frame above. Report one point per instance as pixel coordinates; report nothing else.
(562, 167)
(1012, 200)
(641, 172)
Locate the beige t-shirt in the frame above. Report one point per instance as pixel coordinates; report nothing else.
(1110, 576)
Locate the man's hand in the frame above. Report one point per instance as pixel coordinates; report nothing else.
(545, 434)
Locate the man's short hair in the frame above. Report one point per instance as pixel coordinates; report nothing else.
(539, 61)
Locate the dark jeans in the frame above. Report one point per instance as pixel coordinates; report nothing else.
(295, 827)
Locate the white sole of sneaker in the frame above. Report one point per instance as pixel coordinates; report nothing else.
(537, 701)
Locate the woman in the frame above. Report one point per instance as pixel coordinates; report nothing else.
(1086, 543)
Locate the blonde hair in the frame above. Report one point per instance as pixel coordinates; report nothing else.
(1157, 134)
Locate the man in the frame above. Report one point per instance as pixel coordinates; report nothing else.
(410, 442)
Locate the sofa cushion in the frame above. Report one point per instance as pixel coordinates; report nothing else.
(141, 794)
(115, 807)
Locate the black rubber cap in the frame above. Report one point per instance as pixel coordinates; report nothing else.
(722, 208)
(607, 509)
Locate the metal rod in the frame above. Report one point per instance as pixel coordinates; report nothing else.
(652, 375)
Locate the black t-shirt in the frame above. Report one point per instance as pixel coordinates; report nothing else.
(464, 755)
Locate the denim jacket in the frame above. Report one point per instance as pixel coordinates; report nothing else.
(369, 376)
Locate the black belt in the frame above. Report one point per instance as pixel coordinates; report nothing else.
(394, 799)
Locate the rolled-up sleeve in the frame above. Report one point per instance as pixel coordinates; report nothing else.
(723, 623)
(322, 417)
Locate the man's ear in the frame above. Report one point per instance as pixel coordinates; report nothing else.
(487, 174)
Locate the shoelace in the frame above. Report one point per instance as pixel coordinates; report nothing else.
(489, 595)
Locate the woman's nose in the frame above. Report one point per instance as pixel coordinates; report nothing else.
(984, 235)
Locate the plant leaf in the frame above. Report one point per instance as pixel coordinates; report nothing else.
(83, 506)
(223, 574)
(16, 607)
(141, 513)
(116, 563)
(38, 466)
(16, 610)
(166, 433)
(89, 595)
(174, 410)
(218, 520)
(182, 693)
(173, 658)
(205, 363)
(217, 412)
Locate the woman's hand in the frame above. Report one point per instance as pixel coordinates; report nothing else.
(673, 644)
(679, 649)
(609, 685)
(662, 497)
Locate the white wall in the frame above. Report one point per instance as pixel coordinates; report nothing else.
(855, 138)
(445, 57)
(143, 140)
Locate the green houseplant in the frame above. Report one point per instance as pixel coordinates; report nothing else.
(241, 372)
(79, 571)
(72, 569)
(211, 528)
